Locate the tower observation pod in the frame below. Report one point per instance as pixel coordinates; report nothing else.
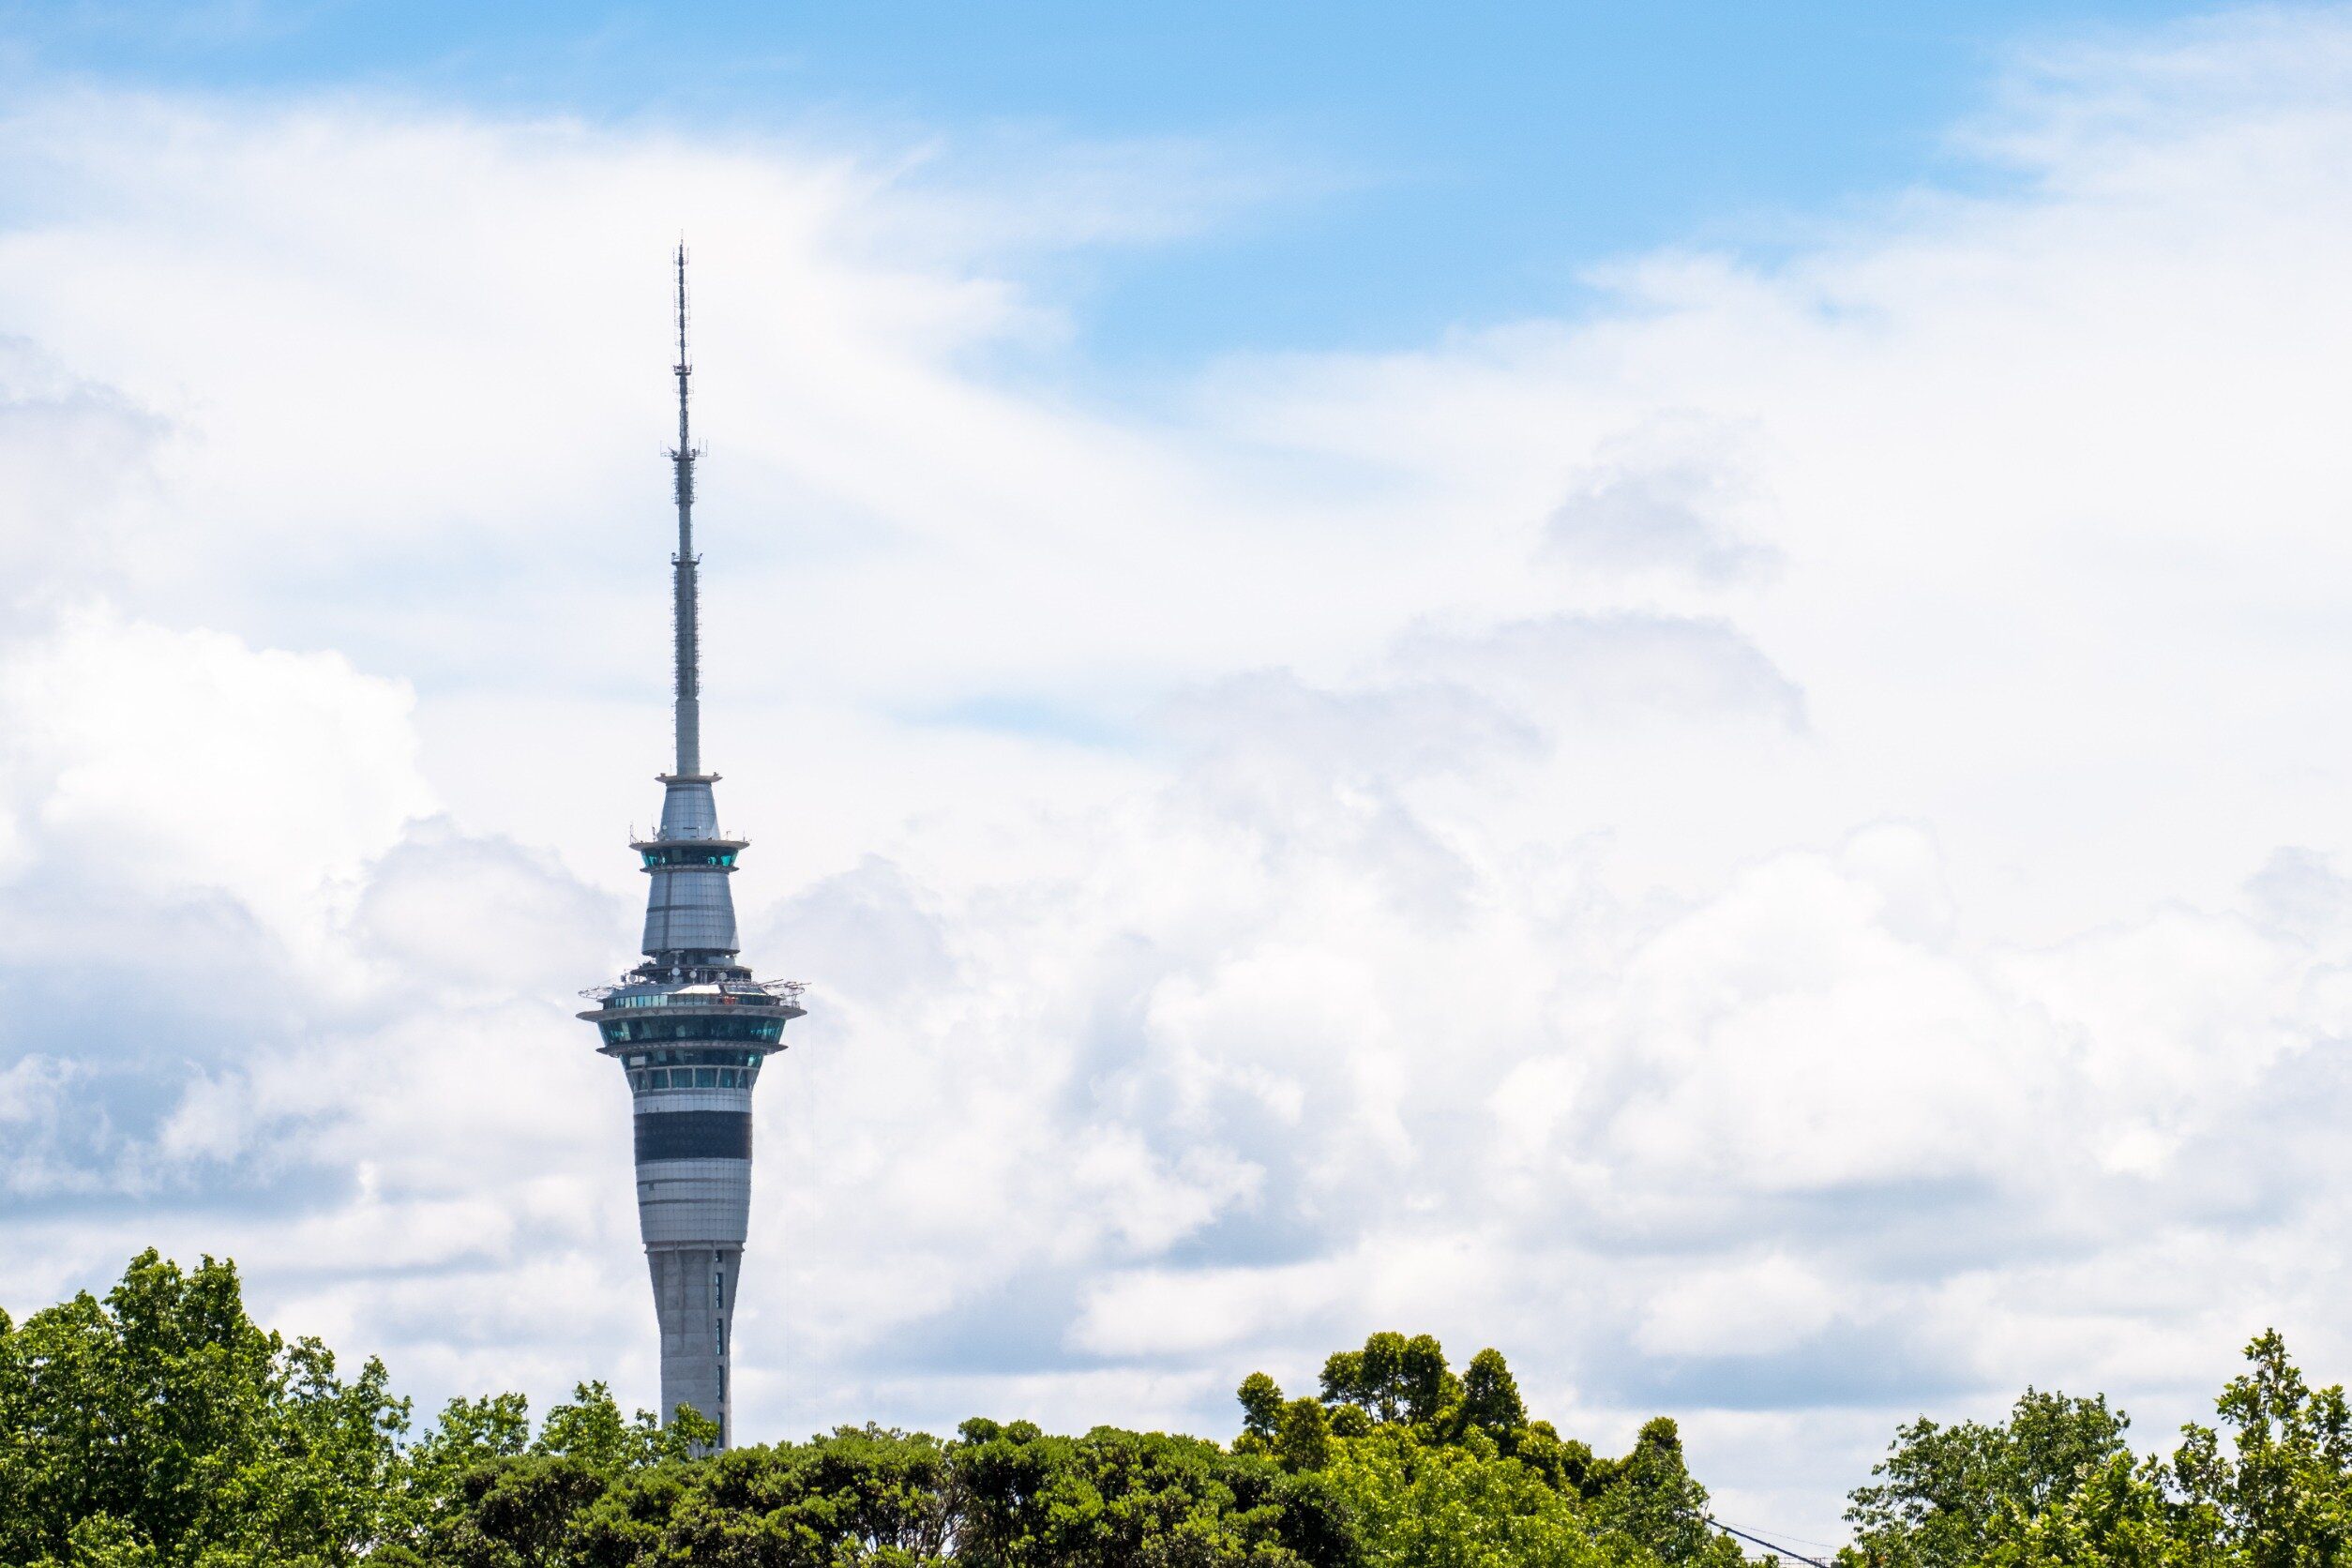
(691, 1027)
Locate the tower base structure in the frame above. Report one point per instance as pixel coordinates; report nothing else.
(694, 1299)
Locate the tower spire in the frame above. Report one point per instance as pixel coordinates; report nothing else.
(684, 612)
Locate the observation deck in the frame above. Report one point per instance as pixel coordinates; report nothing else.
(633, 1014)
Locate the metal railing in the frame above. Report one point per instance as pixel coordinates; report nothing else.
(785, 991)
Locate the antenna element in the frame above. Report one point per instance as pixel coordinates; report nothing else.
(684, 615)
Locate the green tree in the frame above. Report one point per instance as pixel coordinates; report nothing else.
(2283, 1493)
(1111, 1499)
(861, 1495)
(1394, 1378)
(163, 1425)
(1261, 1405)
(161, 1429)
(2269, 1485)
(2117, 1515)
(1650, 1497)
(1949, 1491)
(1566, 1462)
(1303, 1440)
(482, 1492)
(470, 1433)
(1491, 1398)
(1448, 1506)
(518, 1511)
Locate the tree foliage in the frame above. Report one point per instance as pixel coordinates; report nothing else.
(1947, 1489)
(162, 1425)
(2268, 1487)
(1440, 1470)
(160, 1428)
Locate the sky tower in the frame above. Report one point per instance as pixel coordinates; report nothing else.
(691, 1027)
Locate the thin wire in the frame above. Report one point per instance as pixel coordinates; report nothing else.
(1805, 1540)
(1801, 1539)
(1768, 1545)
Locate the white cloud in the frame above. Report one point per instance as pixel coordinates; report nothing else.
(1152, 1313)
(1753, 1308)
(162, 760)
(1771, 851)
(1671, 498)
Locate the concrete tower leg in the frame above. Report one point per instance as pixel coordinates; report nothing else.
(694, 1299)
(693, 1205)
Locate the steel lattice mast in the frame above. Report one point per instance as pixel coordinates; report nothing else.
(683, 565)
(691, 1026)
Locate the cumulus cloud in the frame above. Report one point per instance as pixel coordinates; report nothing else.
(174, 760)
(1668, 497)
(1770, 849)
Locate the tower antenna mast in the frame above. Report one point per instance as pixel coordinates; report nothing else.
(686, 612)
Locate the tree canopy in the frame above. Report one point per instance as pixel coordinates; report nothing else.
(160, 1428)
(2269, 1485)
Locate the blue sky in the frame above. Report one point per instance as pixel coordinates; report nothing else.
(1661, 688)
(1437, 165)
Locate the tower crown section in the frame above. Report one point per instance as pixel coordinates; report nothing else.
(689, 911)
